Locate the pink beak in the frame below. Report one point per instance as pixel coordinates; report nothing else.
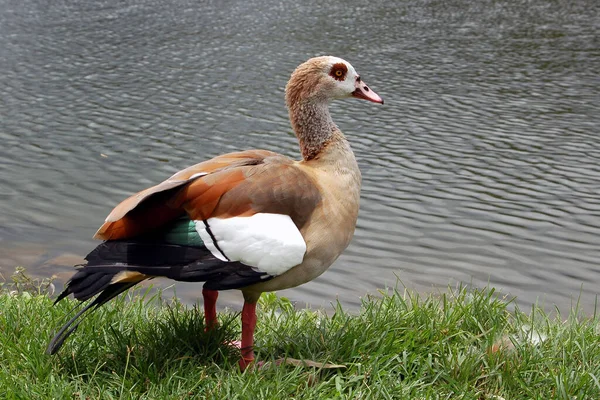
(362, 91)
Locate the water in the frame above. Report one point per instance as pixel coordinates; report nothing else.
(482, 167)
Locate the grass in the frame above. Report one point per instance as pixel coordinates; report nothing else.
(462, 344)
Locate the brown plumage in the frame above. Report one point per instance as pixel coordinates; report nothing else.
(253, 220)
(120, 223)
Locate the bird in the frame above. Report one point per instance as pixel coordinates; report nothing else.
(251, 220)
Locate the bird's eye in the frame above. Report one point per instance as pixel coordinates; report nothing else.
(338, 71)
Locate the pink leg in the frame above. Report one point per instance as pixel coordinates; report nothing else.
(248, 325)
(210, 308)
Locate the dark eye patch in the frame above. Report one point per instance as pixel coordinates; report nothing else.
(338, 71)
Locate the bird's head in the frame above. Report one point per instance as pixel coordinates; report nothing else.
(322, 79)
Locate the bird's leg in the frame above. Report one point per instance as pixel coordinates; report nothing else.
(248, 325)
(210, 308)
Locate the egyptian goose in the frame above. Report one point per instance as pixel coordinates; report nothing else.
(252, 220)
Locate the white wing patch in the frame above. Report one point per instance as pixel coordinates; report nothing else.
(197, 175)
(269, 242)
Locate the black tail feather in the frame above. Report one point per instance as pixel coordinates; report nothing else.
(151, 259)
(108, 294)
(90, 286)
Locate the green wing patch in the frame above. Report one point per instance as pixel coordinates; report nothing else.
(182, 232)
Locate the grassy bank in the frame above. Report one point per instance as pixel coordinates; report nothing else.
(459, 345)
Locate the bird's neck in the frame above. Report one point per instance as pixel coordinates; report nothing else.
(313, 126)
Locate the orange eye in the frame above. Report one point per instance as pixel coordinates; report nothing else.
(338, 71)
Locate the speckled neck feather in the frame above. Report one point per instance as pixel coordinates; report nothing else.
(313, 127)
(308, 105)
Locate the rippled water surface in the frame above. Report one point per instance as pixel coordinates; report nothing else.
(481, 167)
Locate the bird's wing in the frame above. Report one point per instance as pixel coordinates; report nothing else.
(247, 207)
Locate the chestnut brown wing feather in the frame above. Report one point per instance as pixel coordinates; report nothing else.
(236, 184)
